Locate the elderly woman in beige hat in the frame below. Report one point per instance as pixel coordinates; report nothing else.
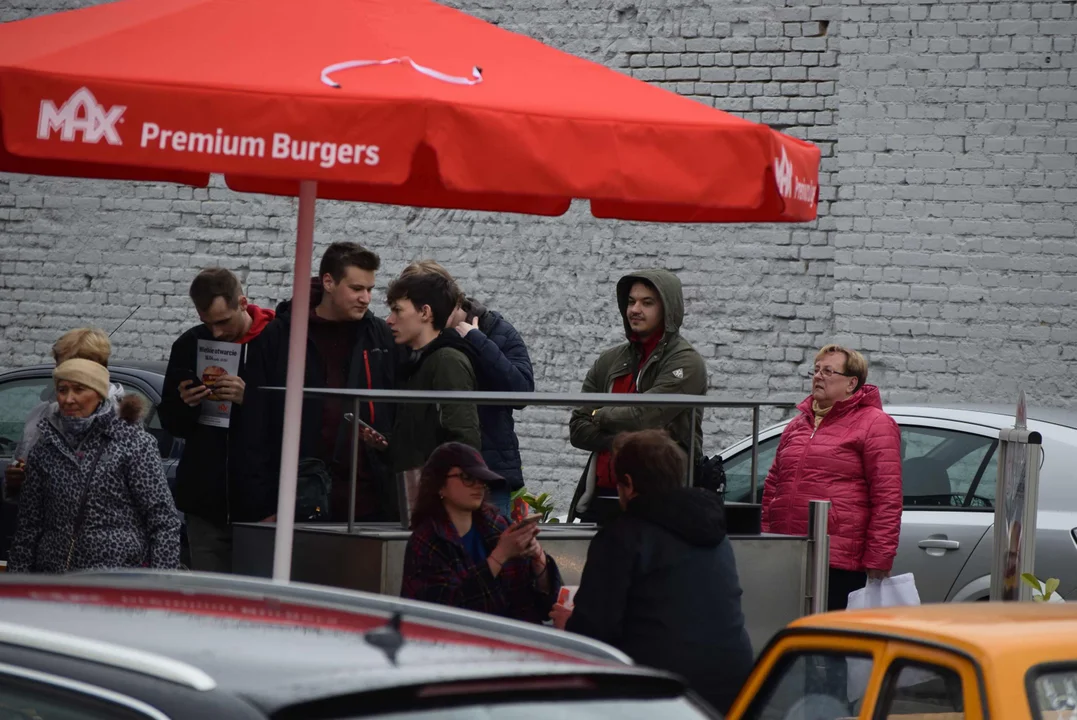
(95, 495)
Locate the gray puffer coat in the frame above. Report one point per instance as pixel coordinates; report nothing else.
(130, 519)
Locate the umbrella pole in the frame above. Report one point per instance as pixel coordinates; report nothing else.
(293, 395)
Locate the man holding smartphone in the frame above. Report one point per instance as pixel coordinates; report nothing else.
(205, 489)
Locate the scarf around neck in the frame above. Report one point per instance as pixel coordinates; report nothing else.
(820, 413)
(75, 429)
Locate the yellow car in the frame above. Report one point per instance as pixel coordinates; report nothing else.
(975, 661)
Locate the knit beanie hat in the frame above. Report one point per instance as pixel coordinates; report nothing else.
(84, 372)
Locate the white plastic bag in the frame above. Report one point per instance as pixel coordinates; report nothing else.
(888, 592)
(895, 591)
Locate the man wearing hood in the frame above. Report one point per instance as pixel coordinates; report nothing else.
(656, 359)
(419, 307)
(660, 582)
(347, 347)
(205, 479)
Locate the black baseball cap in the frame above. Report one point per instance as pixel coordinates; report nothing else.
(465, 457)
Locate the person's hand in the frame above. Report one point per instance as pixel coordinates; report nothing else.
(271, 519)
(374, 439)
(537, 555)
(464, 327)
(14, 475)
(515, 542)
(560, 615)
(878, 574)
(230, 388)
(458, 316)
(192, 396)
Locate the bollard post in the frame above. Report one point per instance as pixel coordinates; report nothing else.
(1019, 455)
(818, 580)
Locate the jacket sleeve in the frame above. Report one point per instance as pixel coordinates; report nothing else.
(882, 470)
(429, 576)
(770, 484)
(508, 368)
(693, 381)
(30, 520)
(177, 417)
(459, 422)
(526, 601)
(259, 441)
(599, 605)
(149, 489)
(583, 432)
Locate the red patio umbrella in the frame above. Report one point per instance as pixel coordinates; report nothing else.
(389, 101)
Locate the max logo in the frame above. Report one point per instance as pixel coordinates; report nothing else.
(83, 114)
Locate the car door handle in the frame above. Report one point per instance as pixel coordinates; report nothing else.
(940, 544)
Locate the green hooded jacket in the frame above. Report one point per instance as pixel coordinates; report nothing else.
(674, 368)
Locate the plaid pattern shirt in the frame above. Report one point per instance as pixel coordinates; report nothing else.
(437, 569)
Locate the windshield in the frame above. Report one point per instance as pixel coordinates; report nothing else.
(604, 709)
(1054, 694)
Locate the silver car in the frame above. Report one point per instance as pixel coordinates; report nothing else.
(950, 467)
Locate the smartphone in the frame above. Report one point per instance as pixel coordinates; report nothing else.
(529, 520)
(350, 417)
(195, 378)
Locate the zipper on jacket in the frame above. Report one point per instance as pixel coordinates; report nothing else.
(647, 363)
(369, 383)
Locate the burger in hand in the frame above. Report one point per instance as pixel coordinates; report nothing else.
(210, 376)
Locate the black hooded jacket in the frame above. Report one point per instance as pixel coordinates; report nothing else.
(373, 355)
(661, 585)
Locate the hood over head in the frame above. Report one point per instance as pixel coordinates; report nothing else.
(669, 289)
(695, 515)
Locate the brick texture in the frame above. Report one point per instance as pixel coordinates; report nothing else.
(945, 246)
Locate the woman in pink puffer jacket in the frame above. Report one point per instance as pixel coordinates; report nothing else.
(843, 448)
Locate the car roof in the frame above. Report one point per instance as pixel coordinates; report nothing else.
(999, 415)
(278, 645)
(1043, 630)
(137, 367)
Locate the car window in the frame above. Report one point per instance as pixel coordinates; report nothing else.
(738, 471)
(17, 399)
(152, 420)
(813, 685)
(22, 699)
(923, 692)
(939, 467)
(1053, 693)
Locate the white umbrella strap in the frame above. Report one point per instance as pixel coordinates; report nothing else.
(475, 79)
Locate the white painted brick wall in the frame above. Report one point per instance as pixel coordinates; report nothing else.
(945, 247)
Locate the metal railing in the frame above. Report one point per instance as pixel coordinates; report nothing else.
(537, 399)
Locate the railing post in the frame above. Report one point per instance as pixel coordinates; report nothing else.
(353, 477)
(690, 480)
(818, 580)
(1016, 508)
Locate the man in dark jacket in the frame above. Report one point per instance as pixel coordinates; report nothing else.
(502, 364)
(661, 581)
(347, 347)
(656, 359)
(205, 487)
(420, 305)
